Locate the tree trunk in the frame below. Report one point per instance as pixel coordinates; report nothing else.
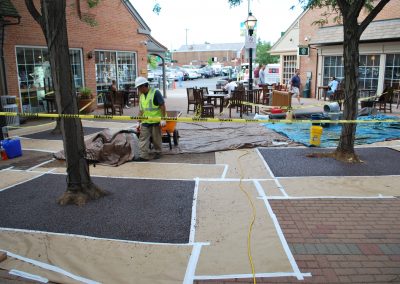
(345, 150)
(53, 22)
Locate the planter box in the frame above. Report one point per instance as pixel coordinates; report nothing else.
(83, 102)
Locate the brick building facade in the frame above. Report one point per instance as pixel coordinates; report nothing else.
(228, 54)
(379, 48)
(115, 48)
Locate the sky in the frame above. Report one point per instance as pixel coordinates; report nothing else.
(213, 21)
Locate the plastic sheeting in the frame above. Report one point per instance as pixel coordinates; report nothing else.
(366, 133)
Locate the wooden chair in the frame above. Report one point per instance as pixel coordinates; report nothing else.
(113, 103)
(253, 97)
(385, 100)
(236, 100)
(203, 109)
(265, 94)
(190, 99)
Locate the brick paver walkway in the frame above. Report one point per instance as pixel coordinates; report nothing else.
(340, 240)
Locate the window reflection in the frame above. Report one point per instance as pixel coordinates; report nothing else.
(34, 75)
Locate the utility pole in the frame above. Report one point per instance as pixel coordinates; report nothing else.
(186, 35)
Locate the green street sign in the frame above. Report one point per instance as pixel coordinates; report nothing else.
(304, 50)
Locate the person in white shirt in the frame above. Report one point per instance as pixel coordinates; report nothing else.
(229, 87)
(332, 86)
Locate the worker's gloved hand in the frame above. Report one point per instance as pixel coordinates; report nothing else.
(163, 123)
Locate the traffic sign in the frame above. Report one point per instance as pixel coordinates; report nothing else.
(251, 41)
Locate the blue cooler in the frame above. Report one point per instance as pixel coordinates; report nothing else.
(12, 147)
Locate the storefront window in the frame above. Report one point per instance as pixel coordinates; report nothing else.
(368, 72)
(115, 65)
(333, 67)
(34, 75)
(392, 71)
(289, 67)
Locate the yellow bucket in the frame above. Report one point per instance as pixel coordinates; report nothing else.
(315, 135)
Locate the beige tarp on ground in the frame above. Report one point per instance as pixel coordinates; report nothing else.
(157, 170)
(9, 178)
(342, 186)
(224, 214)
(41, 145)
(212, 137)
(105, 261)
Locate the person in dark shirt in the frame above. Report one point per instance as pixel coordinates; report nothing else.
(295, 85)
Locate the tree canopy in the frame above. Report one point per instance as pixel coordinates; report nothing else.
(263, 56)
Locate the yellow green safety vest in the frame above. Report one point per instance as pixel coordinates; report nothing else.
(146, 104)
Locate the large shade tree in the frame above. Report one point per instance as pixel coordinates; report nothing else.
(348, 13)
(52, 20)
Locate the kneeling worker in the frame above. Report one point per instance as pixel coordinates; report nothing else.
(151, 104)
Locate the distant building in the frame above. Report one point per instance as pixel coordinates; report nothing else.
(228, 54)
(114, 49)
(323, 50)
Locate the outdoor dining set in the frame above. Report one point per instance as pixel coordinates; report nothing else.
(203, 101)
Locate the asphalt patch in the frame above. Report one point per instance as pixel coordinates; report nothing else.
(29, 159)
(137, 209)
(294, 162)
(47, 135)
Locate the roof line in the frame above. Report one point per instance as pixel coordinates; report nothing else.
(289, 28)
(145, 29)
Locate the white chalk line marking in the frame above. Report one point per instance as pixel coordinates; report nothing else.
(278, 184)
(194, 208)
(50, 267)
(278, 229)
(27, 275)
(258, 275)
(192, 264)
(97, 238)
(41, 164)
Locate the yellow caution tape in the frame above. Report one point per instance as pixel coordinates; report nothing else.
(188, 119)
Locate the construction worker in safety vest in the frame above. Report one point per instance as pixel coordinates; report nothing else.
(151, 105)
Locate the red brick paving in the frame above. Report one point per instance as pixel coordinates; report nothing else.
(364, 224)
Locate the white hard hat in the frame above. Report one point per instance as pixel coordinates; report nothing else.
(140, 81)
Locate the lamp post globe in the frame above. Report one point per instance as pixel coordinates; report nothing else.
(250, 23)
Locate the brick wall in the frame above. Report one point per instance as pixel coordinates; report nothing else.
(116, 30)
(202, 57)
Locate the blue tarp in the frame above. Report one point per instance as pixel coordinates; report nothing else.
(366, 133)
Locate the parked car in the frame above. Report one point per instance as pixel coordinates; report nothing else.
(192, 74)
(206, 72)
(180, 69)
(226, 71)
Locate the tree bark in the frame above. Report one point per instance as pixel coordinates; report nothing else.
(53, 22)
(345, 149)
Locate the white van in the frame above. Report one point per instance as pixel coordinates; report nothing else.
(272, 73)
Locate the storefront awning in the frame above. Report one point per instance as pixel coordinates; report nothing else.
(377, 31)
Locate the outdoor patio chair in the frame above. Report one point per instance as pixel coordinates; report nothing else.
(113, 103)
(236, 101)
(384, 101)
(190, 99)
(202, 108)
(253, 97)
(265, 94)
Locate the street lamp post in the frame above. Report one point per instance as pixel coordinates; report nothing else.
(250, 24)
